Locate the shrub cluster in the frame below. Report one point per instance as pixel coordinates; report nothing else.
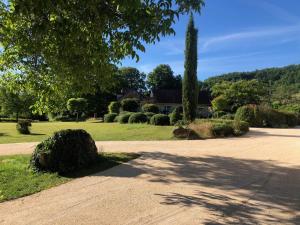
(263, 116)
(114, 107)
(149, 115)
(214, 128)
(110, 117)
(150, 108)
(124, 117)
(160, 120)
(23, 126)
(138, 118)
(130, 104)
(66, 151)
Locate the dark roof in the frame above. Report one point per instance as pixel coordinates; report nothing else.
(175, 96)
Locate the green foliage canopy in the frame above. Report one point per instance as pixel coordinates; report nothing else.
(72, 45)
(162, 77)
(239, 93)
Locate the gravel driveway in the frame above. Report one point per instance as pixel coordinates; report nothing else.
(253, 179)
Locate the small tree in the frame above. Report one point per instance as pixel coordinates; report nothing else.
(190, 87)
(77, 106)
(220, 103)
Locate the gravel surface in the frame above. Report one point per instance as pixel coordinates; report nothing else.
(253, 179)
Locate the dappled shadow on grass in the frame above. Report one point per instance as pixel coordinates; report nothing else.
(35, 134)
(255, 186)
(104, 162)
(3, 134)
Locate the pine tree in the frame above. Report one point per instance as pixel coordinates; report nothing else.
(190, 83)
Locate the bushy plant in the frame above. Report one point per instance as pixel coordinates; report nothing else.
(23, 126)
(130, 104)
(264, 116)
(220, 103)
(138, 118)
(114, 107)
(160, 120)
(250, 114)
(214, 128)
(150, 108)
(175, 116)
(219, 114)
(66, 151)
(149, 115)
(222, 130)
(123, 118)
(110, 117)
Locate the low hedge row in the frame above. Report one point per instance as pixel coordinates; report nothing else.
(263, 116)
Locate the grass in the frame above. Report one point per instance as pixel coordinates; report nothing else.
(18, 180)
(99, 131)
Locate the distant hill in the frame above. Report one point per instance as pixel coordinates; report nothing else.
(289, 75)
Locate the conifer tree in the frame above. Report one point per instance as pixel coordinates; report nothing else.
(190, 83)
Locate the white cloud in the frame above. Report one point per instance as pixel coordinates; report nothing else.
(254, 34)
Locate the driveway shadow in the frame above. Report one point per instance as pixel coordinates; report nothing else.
(265, 184)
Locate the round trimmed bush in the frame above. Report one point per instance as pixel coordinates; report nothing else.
(110, 117)
(66, 151)
(160, 120)
(150, 108)
(114, 107)
(124, 118)
(149, 115)
(138, 118)
(130, 104)
(23, 126)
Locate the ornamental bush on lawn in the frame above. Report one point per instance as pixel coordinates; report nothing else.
(149, 116)
(114, 107)
(138, 118)
(150, 108)
(23, 126)
(110, 117)
(66, 151)
(160, 120)
(130, 104)
(123, 118)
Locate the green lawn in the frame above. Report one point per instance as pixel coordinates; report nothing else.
(99, 131)
(17, 179)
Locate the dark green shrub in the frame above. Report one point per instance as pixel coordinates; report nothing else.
(130, 104)
(222, 130)
(251, 115)
(219, 114)
(23, 126)
(149, 115)
(228, 116)
(150, 108)
(138, 118)
(175, 116)
(264, 116)
(66, 151)
(240, 127)
(110, 118)
(114, 107)
(123, 118)
(160, 120)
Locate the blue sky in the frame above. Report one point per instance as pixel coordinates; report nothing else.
(234, 35)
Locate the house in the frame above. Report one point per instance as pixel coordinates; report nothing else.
(168, 99)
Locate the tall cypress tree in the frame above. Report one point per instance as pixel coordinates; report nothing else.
(190, 83)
